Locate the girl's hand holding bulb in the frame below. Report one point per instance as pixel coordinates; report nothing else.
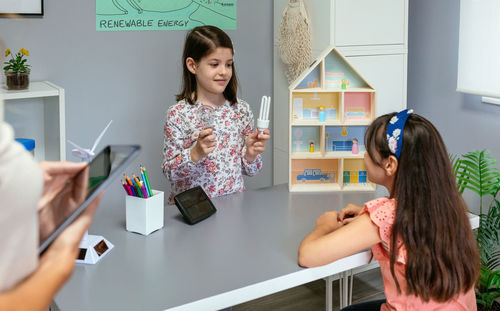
(256, 144)
(206, 144)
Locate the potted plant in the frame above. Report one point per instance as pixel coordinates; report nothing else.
(17, 70)
(477, 172)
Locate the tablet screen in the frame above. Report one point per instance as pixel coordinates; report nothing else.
(75, 195)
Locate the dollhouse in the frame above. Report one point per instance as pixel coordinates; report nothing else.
(331, 105)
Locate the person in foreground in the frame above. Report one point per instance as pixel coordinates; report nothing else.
(420, 234)
(27, 281)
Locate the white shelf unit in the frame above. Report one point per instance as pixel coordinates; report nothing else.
(372, 35)
(38, 113)
(322, 155)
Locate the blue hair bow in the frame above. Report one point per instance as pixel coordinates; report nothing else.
(395, 130)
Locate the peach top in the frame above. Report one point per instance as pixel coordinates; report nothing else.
(382, 212)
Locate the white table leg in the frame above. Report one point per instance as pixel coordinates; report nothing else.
(345, 289)
(341, 290)
(329, 295)
(345, 283)
(350, 287)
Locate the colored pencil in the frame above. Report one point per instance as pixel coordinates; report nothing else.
(132, 190)
(127, 179)
(145, 191)
(137, 188)
(146, 178)
(145, 183)
(137, 180)
(127, 190)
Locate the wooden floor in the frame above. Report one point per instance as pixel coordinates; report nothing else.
(367, 286)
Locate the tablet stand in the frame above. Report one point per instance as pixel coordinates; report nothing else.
(93, 248)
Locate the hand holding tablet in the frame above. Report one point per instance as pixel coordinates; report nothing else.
(64, 190)
(60, 206)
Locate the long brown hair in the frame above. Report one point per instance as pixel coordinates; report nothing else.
(201, 41)
(431, 219)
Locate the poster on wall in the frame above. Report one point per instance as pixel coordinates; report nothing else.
(130, 15)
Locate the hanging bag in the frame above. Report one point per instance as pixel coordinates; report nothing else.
(294, 39)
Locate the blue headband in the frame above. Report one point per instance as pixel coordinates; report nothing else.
(395, 131)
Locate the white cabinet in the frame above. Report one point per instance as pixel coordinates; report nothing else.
(38, 113)
(373, 22)
(372, 35)
(357, 22)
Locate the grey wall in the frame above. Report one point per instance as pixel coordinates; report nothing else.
(464, 122)
(131, 77)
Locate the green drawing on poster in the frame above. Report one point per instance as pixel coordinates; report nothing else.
(127, 15)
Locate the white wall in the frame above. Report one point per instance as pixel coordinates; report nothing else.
(464, 122)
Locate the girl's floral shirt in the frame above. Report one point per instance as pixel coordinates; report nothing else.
(221, 171)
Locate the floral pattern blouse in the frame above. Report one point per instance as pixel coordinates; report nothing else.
(220, 172)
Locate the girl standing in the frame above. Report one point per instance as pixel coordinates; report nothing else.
(420, 235)
(213, 151)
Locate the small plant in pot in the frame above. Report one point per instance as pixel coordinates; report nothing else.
(477, 172)
(17, 70)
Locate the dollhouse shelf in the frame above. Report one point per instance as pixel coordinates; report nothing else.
(331, 187)
(359, 187)
(330, 123)
(306, 155)
(336, 89)
(327, 145)
(343, 154)
(315, 122)
(317, 188)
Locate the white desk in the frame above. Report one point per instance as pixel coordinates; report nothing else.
(247, 250)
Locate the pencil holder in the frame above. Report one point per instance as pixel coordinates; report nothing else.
(144, 215)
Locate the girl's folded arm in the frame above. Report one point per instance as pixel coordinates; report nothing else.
(321, 247)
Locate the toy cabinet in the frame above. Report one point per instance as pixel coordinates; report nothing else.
(372, 35)
(330, 107)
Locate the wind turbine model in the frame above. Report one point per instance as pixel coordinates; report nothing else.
(87, 154)
(92, 247)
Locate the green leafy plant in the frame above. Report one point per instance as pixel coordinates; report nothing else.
(477, 172)
(17, 62)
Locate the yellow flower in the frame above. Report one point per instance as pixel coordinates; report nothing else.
(18, 61)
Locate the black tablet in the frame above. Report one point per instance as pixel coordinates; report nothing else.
(194, 205)
(79, 192)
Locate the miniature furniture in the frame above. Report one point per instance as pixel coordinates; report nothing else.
(326, 153)
(38, 113)
(372, 35)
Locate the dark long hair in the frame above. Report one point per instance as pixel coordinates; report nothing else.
(201, 41)
(431, 219)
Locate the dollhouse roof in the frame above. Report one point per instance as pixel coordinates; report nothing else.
(335, 56)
